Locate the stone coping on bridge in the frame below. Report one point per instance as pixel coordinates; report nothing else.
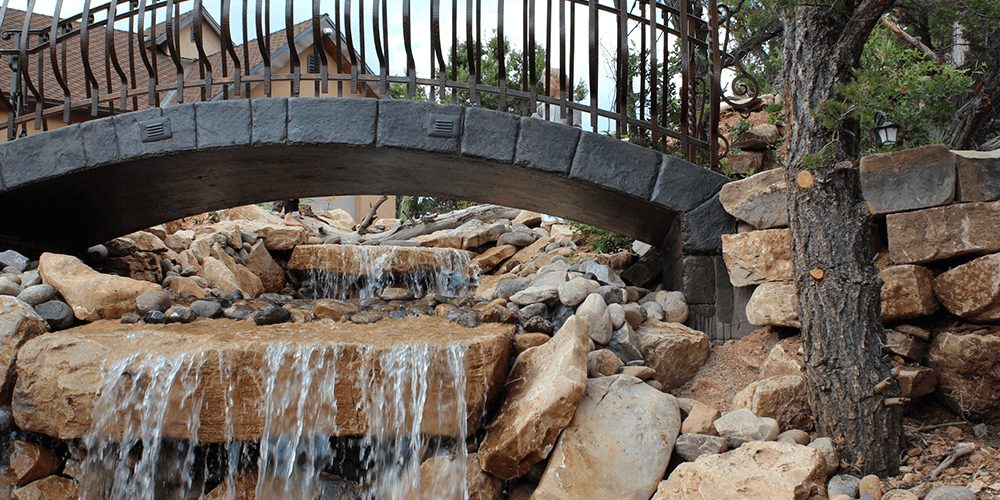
(61, 374)
(455, 131)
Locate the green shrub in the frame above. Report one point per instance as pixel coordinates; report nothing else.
(600, 240)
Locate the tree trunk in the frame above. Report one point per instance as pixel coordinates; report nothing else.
(837, 285)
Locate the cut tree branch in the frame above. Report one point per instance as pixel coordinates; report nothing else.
(910, 40)
(370, 218)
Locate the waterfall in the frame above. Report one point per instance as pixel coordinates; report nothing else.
(135, 452)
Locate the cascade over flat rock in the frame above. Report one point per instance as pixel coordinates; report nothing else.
(359, 260)
(61, 373)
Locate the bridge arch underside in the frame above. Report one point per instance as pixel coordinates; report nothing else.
(87, 183)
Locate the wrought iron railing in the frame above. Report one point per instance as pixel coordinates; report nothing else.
(661, 87)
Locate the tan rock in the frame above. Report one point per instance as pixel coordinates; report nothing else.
(251, 213)
(244, 488)
(915, 381)
(333, 309)
(186, 287)
(338, 218)
(525, 341)
(542, 392)
(143, 266)
(482, 234)
(493, 256)
(50, 488)
(907, 346)
(700, 420)
(782, 398)
(271, 275)
(526, 254)
(757, 471)
(356, 260)
(31, 461)
(639, 372)
(761, 200)
(967, 364)
(445, 238)
(220, 276)
(673, 350)
(907, 292)
(774, 304)
(19, 323)
(60, 374)
(92, 295)
(943, 232)
(870, 485)
(782, 359)
(603, 363)
(276, 236)
(528, 218)
(617, 446)
(757, 257)
(972, 290)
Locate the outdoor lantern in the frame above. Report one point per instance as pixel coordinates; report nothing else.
(886, 130)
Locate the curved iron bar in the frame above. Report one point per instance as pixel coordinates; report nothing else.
(54, 59)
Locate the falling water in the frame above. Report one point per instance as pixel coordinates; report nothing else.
(130, 455)
(452, 275)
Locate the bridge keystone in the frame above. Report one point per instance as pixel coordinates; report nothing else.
(615, 164)
(332, 121)
(546, 146)
(407, 124)
(489, 134)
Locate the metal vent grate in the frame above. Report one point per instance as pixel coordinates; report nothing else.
(155, 130)
(444, 126)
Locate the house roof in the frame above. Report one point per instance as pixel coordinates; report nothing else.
(183, 22)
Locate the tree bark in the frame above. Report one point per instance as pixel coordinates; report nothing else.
(837, 285)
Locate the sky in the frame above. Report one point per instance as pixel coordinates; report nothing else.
(421, 30)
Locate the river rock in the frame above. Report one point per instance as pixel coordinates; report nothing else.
(9, 287)
(691, 446)
(907, 180)
(525, 341)
(49, 488)
(11, 258)
(625, 344)
(518, 239)
(943, 232)
(760, 200)
(675, 308)
(618, 444)
(31, 461)
(594, 316)
(36, 294)
(757, 471)
(534, 294)
(831, 457)
(19, 323)
(92, 295)
(907, 292)
(573, 292)
(967, 364)
(57, 314)
(673, 350)
(757, 257)
(206, 308)
(260, 263)
(782, 398)
(972, 290)
(542, 391)
(774, 304)
(153, 300)
(603, 363)
(60, 374)
(843, 484)
(742, 426)
(794, 436)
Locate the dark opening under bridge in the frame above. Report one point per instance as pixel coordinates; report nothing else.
(110, 129)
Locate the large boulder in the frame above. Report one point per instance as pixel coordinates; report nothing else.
(943, 232)
(760, 200)
(757, 257)
(542, 391)
(61, 375)
(617, 446)
(260, 262)
(673, 350)
(92, 295)
(229, 277)
(774, 304)
(782, 398)
(907, 292)
(754, 471)
(967, 364)
(907, 180)
(19, 323)
(972, 290)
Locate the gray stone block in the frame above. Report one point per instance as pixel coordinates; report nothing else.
(724, 299)
(615, 164)
(908, 180)
(547, 146)
(270, 120)
(682, 185)
(331, 121)
(223, 123)
(129, 129)
(699, 279)
(978, 175)
(489, 134)
(409, 125)
(100, 142)
(703, 227)
(42, 156)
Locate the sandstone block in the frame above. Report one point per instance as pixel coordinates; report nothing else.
(967, 364)
(943, 232)
(757, 257)
(907, 293)
(92, 295)
(972, 290)
(782, 398)
(774, 304)
(759, 200)
(673, 350)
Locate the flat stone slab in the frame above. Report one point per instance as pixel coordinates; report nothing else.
(362, 260)
(231, 366)
(978, 175)
(908, 180)
(943, 232)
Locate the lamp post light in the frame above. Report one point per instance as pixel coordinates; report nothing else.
(886, 131)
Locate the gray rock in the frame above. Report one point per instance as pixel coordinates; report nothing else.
(467, 318)
(155, 317)
(6, 420)
(531, 310)
(534, 294)
(538, 324)
(675, 308)
(97, 252)
(366, 317)
(56, 313)
(206, 308)
(829, 451)
(153, 300)
(593, 312)
(843, 484)
(612, 294)
(34, 295)
(517, 238)
(978, 175)
(574, 291)
(691, 446)
(653, 311)
(950, 493)
(238, 311)
(11, 258)
(30, 278)
(395, 293)
(271, 314)
(617, 313)
(9, 287)
(130, 318)
(551, 275)
(625, 344)
(741, 426)
(180, 314)
(506, 288)
(908, 180)
(601, 273)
